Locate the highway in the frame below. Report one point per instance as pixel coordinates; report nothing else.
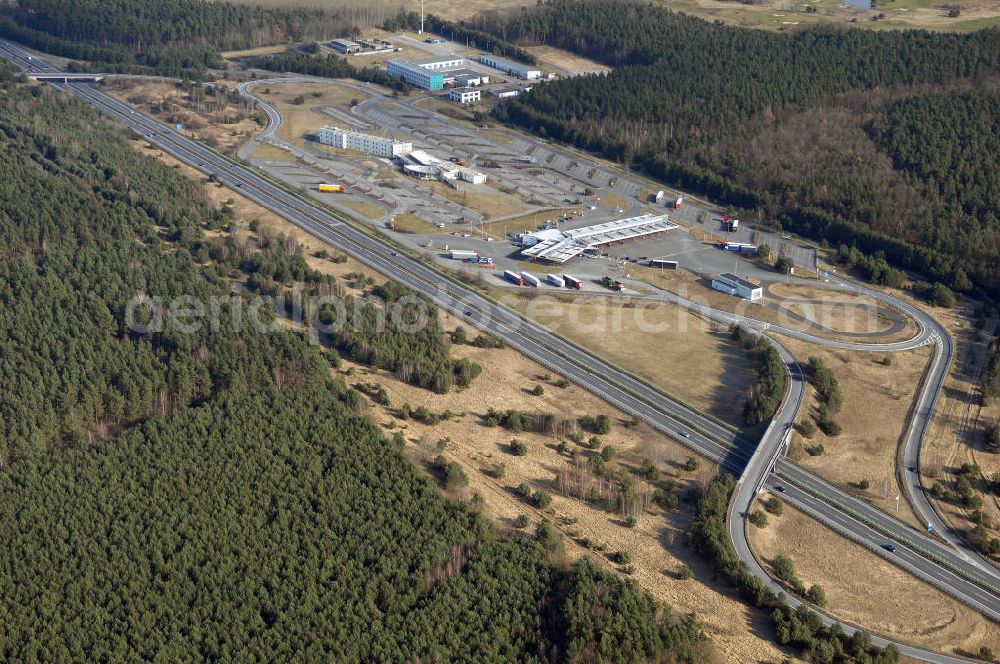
(705, 435)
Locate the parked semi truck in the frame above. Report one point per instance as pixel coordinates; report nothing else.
(613, 284)
(463, 255)
(331, 187)
(678, 203)
(531, 279)
(556, 280)
(572, 282)
(513, 277)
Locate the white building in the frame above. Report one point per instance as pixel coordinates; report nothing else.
(415, 74)
(510, 67)
(348, 139)
(465, 96)
(504, 93)
(469, 78)
(436, 64)
(345, 46)
(733, 285)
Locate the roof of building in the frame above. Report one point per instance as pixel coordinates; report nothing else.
(506, 63)
(738, 281)
(466, 72)
(560, 246)
(345, 42)
(442, 58)
(412, 66)
(423, 158)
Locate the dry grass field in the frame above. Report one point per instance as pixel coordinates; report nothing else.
(481, 198)
(864, 589)
(668, 346)
(366, 210)
(175, 106)
(877, 400)
(305, 119)
(839, 311)
(566, 62)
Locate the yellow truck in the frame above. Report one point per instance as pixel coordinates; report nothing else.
(331, 187)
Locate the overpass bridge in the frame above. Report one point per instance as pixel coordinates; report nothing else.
(65, 77)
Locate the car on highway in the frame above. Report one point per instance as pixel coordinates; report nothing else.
(686, 434)
(779, 489)
(889, 547)
(394, 253)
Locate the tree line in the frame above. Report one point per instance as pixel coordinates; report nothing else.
(767, 122)
(167, 35)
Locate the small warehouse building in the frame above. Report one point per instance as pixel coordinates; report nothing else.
(345, 46)
(510, 67)
(732, 285)
(468, 78)
(463, 96)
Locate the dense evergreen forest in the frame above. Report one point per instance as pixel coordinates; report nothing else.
(276, 525)
(169, 35)
(795, 128)
(212, 493)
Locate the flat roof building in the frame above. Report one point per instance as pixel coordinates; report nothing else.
(415, 74)
(734, 285)
(510, 67)
(464, 96)
(468, 78)
(348, 139)
(345, 46)
(444, 62)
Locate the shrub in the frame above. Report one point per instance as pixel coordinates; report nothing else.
(498, 471)
(521, 521)
(608, 453)
(864, 484)
(806, 428)
(455, 477)
(518, 447)
(649, 471)
(538, 391)
(541, 499)
(816, 450)
(631, 522)
(691, 464)
(666, 499)
(523, 489)
(685, 573)
(623, 557)
(784, 569)
(816, 595)
(774, 505)
(758, 518)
